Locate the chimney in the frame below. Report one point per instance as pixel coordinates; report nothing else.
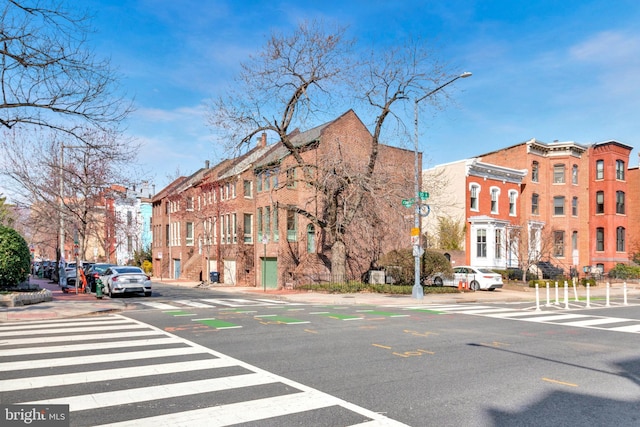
(262, 142)
(206, 164)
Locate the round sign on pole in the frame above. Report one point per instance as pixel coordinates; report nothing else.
(424, 210)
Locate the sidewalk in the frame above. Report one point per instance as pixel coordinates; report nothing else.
(73, 305)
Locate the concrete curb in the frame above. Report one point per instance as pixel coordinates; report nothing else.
(18, 299)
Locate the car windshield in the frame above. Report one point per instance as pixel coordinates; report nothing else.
(486, 270)
(128, 270)
(101, 268)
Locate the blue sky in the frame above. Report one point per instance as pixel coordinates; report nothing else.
(552, 70)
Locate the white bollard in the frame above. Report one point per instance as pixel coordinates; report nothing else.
(607, 294)
(575, 290)
(588, 296)
(624, 288)
(557, 299)
(566, 295)
(537, 297)
(548, 300)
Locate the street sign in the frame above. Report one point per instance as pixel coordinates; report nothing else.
(425, 210)
(415, 231)
(415, 240)
(423, 195)
(407, 203)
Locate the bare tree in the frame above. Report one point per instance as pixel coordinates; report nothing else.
(528, 243)
(48, 76)
(298, 78)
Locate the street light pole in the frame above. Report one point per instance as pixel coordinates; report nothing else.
(417, 291)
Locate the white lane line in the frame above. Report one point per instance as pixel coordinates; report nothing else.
(111, 374)
(100, 358)
(557, 317)
(488, 310)
(164, 391)
(513, 314)
(82, 347)
(76, 338)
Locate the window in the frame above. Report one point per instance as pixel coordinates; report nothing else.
(259, 183)
(259, 228)
(276, 233)
(247, 188)
(535, 210)
(129, 244)
(292, 226)
(600, 202)
(558, 174)
(498, 244)
(481, 243)
(291, 178)
(311, 239)
(574, 240)
(599, 169)
(574, 175)
(620, 169)
(558, 243)
(574, 206)
(167, 235)
(473, 192)
(495, 192)
(129, 218)
(558, 205)
(620, 202)
(189, 203)
(513, 195)
(248, 228)
(267, 221)
(234, 227)
(535, 167)
(189, 234)
(620, 246)
(600, 239)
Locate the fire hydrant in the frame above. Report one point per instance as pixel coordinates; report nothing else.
(99, 288)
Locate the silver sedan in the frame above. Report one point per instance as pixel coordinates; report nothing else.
(119, 280)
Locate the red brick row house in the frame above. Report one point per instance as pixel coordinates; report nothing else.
(261, 219)
(576, 203)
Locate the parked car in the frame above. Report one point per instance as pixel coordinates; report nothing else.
(477, 278)
(94, 271)
(122, 279)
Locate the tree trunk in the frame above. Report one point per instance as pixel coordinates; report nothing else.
(338, 262)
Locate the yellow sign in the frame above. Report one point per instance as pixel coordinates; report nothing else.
(415, 231)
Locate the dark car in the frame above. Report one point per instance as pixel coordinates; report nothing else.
(93, 272)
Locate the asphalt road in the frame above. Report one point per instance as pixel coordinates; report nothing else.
(471, 365)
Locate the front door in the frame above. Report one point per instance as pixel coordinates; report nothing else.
(176, 268)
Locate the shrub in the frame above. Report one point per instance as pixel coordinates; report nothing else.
(15, 259)
(147, 266)
(622, 271)
(400, 264)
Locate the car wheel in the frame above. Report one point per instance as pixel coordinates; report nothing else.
(437, 281)
(109, 291)
(474, 286)
(147, 294)
(492, 289)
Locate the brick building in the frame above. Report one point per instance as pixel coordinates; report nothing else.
(261, 219)
(576, 197)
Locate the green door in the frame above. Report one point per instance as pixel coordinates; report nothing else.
(269, 277)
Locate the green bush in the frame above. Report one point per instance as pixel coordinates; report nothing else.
(357, 287)
(15, 259)
(400, 264)
(622, 271)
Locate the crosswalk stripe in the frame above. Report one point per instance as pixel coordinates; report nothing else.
(554, 318)
(191, 303)
(230, 302)
(512, 314)
(65, 330)
(254, 410)
(84, 337)
(97, 358)
(82, 347)
(630, 328)
(75, 322)
(111, 374)
(488, 310)
(598, 321)
(164, 391)
(158, 305)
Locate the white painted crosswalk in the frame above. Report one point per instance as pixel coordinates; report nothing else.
(105, 363)
(213, 303)
(552, 316)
